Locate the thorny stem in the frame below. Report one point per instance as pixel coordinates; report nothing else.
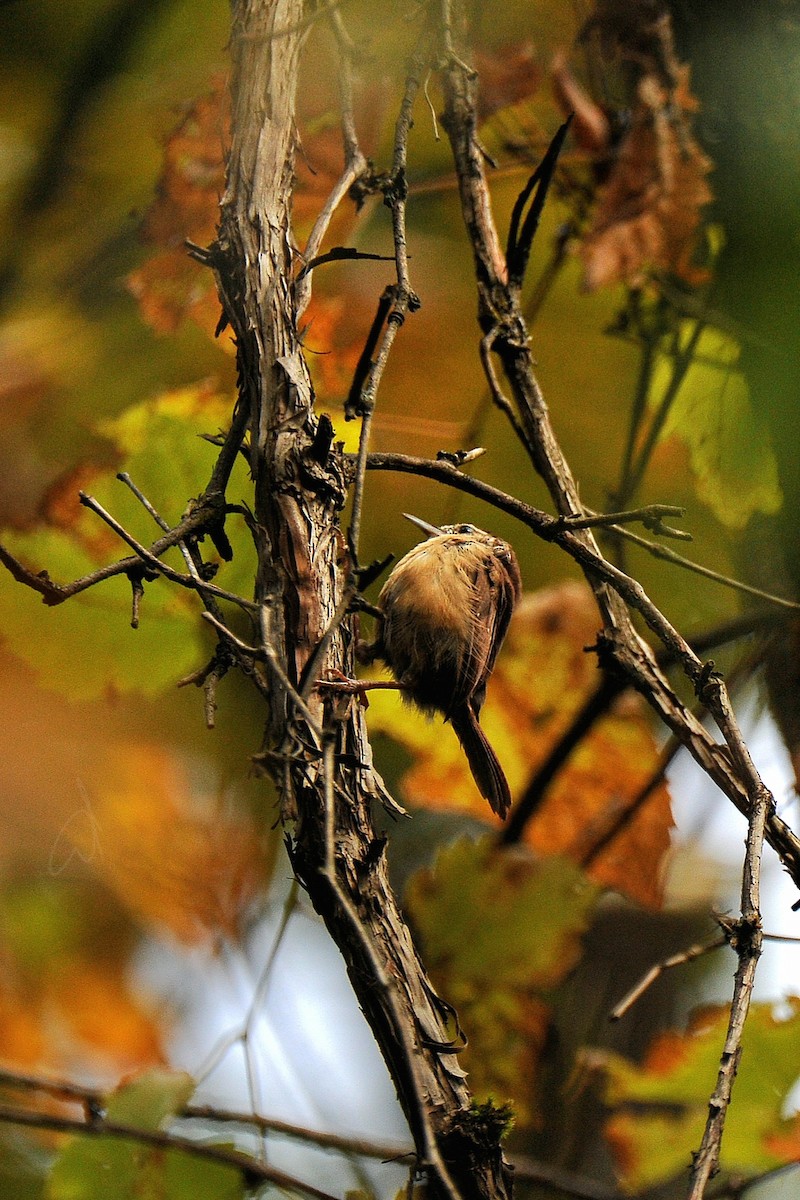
(748, 945)
(195, 522)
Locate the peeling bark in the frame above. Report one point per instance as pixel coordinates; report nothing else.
(316, 749)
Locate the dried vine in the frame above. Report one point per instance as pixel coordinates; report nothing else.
(315, 743)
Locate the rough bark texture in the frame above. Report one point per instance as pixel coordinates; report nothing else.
(320, 757)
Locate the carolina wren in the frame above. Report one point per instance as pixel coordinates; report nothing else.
(445, 611)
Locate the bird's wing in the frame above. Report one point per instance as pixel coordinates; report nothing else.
(493, 595)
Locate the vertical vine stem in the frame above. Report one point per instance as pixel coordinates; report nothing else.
(505, 334)
(326, 783)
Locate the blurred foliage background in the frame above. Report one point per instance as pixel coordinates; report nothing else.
(663, 304)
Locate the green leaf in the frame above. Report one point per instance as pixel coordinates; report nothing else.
(501, 918)
(85, 646)
(147, 1101)
(729, 445)
(96, 1167)
(660, 1107)
(500, 929)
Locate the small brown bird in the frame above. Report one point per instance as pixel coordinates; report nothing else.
(446, 608)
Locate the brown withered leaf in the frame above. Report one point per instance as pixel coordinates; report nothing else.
(591, 128)
(170, 286)
(193, 178)
(649, 209)
(506, 75)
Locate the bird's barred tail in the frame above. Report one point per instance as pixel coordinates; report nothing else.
(483, 762)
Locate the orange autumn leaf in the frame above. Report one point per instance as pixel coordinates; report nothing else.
(98, 1010)
(177, 855)
(543, 677)
(170, 286)
(65, 991)
(23, 1032)
(333, 349)
(547, 676)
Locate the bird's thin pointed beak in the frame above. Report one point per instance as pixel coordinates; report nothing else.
(425, 526)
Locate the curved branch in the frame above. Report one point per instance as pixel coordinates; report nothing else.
(625, 650)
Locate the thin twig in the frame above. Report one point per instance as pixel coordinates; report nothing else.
(678, 960)
(682, 363)
(520, 240)
(253, 1171)
(341, 254)
(243, 1032)
(671, 556)
(55, 593)
(355, 165)
(361, 1147)
(648, 344)
(557, 1179)
(125, 478)
(529, 1169)
(529, 803)
(192, 582)
(651, 516)
(674, 960)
